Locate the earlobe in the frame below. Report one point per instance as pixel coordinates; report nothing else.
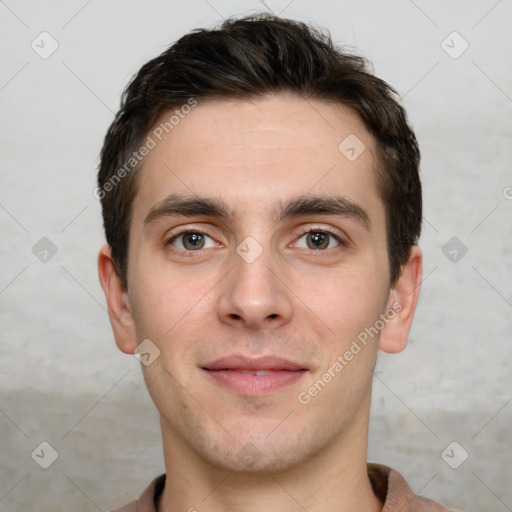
(403, 299)
(119, 307)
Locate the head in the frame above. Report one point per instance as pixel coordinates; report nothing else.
(260, 197)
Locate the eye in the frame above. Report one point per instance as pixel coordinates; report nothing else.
(319, 240)
(191, 241)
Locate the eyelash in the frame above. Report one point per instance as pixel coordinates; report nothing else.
(314, 252)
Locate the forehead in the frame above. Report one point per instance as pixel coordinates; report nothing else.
(256, 153)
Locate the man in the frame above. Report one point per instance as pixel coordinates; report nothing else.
(262, 207)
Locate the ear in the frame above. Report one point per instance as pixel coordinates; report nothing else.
(119, 307)
(403, 298)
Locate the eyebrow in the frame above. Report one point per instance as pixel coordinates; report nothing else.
(190, 206)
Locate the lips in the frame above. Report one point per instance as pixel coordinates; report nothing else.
(254, 376)
(248, 364)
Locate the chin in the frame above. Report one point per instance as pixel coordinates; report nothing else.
(250, 459)
(258, 450)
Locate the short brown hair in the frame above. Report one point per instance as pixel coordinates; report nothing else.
(247, 58)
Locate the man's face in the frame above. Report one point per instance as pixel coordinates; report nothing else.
(264, 281)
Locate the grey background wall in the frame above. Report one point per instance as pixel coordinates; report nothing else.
(62, 380)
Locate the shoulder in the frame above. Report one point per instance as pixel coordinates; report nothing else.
(391, 487)
(148, 498)
(420, 504)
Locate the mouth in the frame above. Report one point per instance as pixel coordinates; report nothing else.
(254, 376)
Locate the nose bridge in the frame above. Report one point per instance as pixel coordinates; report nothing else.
(253, 293)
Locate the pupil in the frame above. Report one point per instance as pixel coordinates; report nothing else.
(193, 239)
(318, 240)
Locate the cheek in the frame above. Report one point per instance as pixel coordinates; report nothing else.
(158, 306)
(347, 301)
(170, 306)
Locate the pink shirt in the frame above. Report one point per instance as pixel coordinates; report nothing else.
(387, 484)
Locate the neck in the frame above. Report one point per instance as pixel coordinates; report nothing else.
(334, 479)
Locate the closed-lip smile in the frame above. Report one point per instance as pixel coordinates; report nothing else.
(254, 375)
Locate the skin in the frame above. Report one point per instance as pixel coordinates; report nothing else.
(292, 301)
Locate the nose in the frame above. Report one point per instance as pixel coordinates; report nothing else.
(255, 295)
